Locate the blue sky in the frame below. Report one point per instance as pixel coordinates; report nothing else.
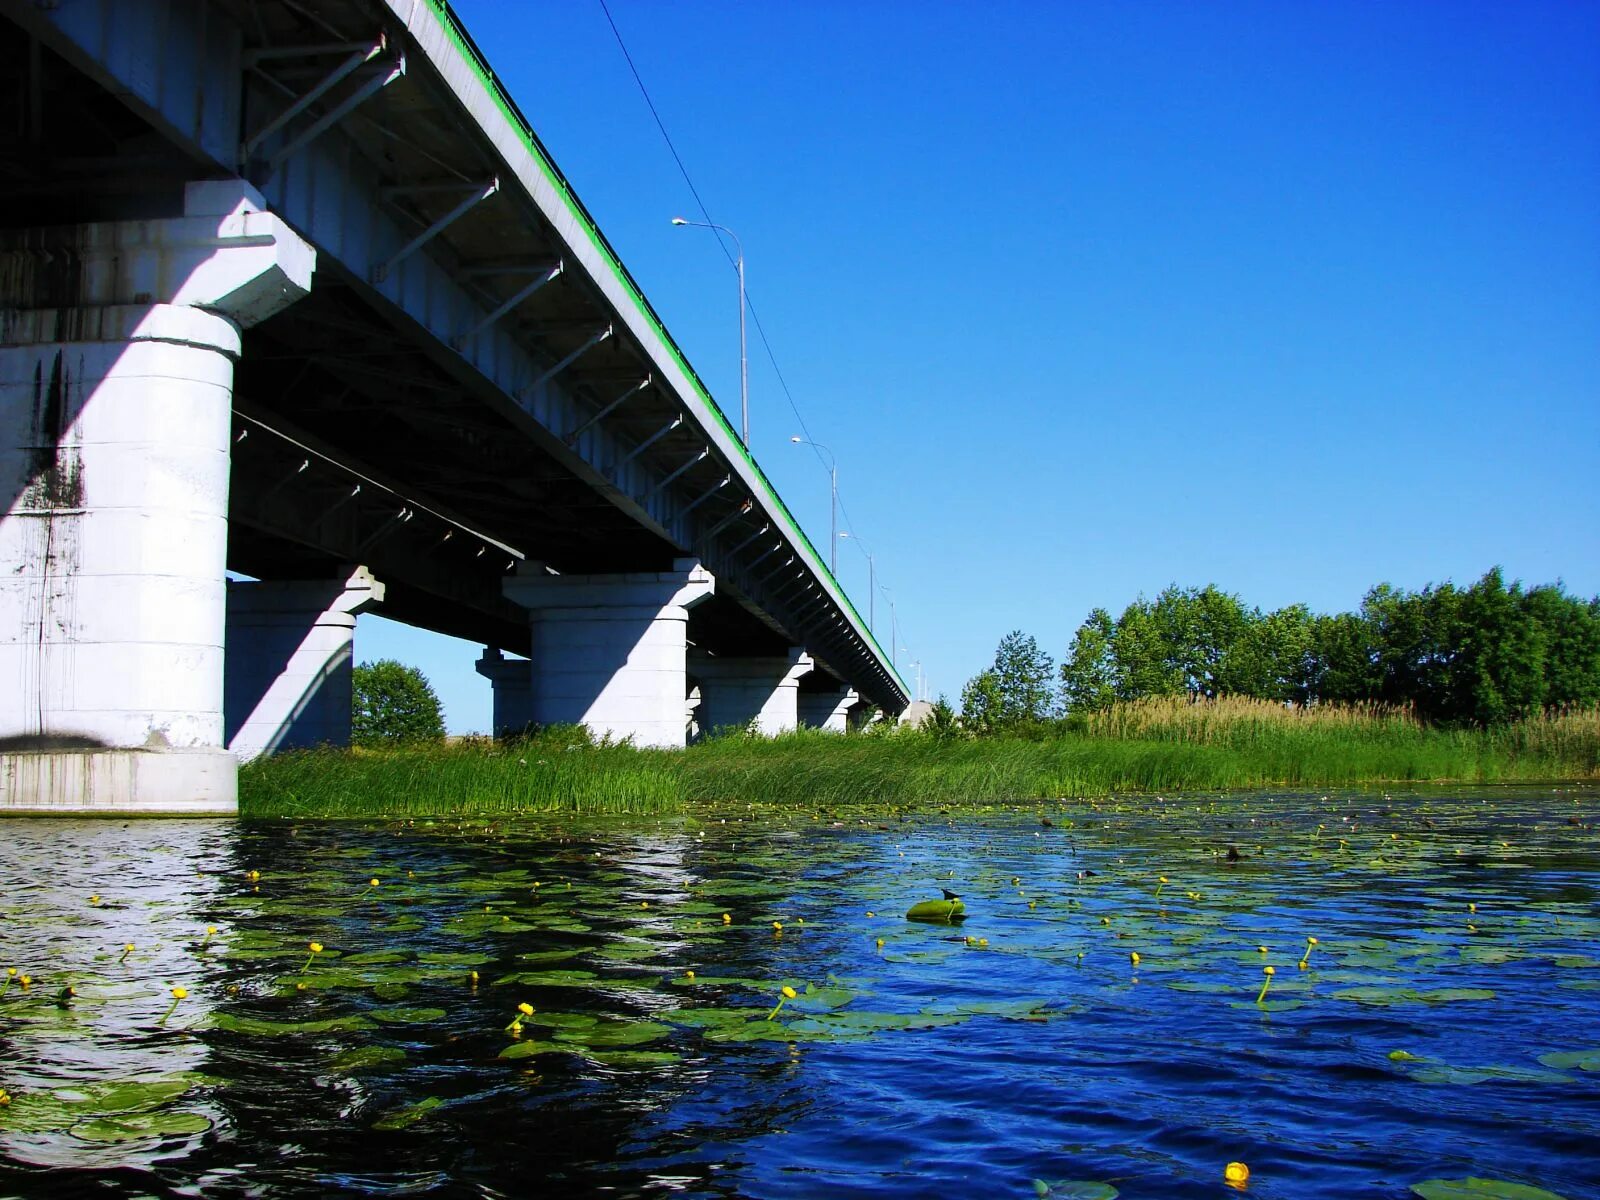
(1091, 298)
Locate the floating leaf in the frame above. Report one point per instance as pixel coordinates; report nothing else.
(1583, 1060)
(635, 1058)
(406, 1016)
(1479, 1189)
(133, 1127)
(409, 1115)
(1074, 1189)
(944, 911)
(262, 1027)
(615, 1033)
(528, 1049)
(361, 1058)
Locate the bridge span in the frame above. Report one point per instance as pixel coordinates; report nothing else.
(290, 288)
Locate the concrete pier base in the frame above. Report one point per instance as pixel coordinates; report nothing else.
(117, 344)
(290, 644)
(610, 651)
(751, 693)
(828, 710)
(512, 679)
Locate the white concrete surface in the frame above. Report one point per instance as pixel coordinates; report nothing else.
(289, 658)
(115, 479)
(758, 693)
(828, 710)
(610, 651)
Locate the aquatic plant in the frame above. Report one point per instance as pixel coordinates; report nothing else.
(179, 994)
(1269, 972)
(785, 993)
(1305, 959)
(1236, 1174)
(316, 949)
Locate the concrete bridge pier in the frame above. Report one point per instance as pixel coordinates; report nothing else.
(756, 692)
(610, 651)
(511, 679)
(117, 347)
(287, 683)
(828, 710)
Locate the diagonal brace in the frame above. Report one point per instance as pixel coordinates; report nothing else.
(674, 477)
(479, 194)
(338, 112)
(362, 54)
(572, 438)
(520, 295)
(647, 443)
(706, 495)
(566, 362)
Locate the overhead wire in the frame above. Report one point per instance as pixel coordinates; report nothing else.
(705, 212)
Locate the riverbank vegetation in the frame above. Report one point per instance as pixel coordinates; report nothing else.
(1480, 655)
(1156, 745)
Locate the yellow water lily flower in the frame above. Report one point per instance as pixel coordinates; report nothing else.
(1236, 1173)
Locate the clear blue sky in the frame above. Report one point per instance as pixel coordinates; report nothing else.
(1091, 298)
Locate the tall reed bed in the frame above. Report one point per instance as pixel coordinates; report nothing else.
(469, 777)
(1153, 745)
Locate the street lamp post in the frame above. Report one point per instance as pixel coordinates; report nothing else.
(744, 368)
(872, 584)
(833, 505)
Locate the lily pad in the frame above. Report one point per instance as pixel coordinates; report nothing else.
(1473, 1188)
(362, 1058)
(527, 1049)
(133, 1127)
(615, 1033)
(402, 1118)
(406, 1016)
(1074, 1189)
(262, 1027)
(1582, 1060)
(941, 911)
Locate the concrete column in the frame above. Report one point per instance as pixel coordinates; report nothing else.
(610, 651)
(745, 691)
(511, 678)
(828, 710)
(117, 344)
(287, 682)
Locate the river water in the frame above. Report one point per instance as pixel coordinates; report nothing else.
(1446, 1023)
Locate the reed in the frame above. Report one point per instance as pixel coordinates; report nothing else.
(1152, 745)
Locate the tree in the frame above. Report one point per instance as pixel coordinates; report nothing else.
(1571, 630)
(980, 702)
(1089, 674)
(1027, 679)
(393, 704)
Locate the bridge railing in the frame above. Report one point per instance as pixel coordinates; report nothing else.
(468, 49)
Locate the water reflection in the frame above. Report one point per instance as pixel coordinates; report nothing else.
(965, 1060)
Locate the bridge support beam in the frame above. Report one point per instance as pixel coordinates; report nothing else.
(611, 651)
(287, 683)
(758, 693)
(511, 679)
(828, 710)
(117, 345)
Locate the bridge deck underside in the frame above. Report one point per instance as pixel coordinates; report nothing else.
(469, 483)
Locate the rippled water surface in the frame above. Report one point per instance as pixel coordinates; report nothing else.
(1436, 1030)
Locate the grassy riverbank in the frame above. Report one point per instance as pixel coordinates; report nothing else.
(1154, 746)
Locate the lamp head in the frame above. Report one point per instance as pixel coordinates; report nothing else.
(797, 439)
(679, 221)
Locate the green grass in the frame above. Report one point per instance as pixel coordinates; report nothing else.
(1155, 746)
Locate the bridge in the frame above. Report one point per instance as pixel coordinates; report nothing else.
(290, 289)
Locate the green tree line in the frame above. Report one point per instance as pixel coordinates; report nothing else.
(1478, 655)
